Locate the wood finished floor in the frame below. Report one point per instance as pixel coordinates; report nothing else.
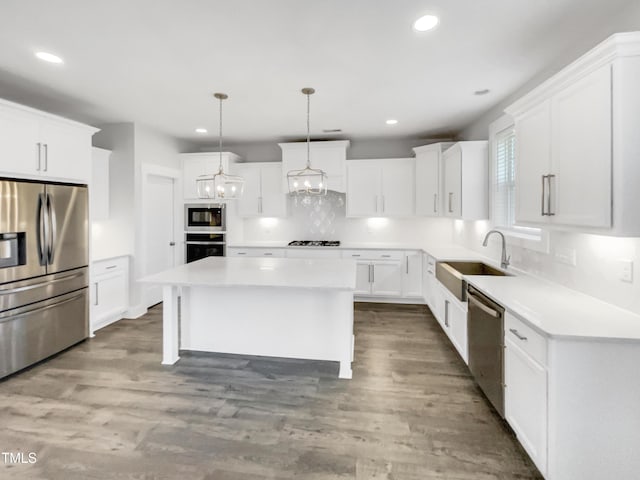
(107, 409)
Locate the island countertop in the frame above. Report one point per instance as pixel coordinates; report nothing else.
(331, 274)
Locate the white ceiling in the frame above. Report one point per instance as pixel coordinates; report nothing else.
(157, 62)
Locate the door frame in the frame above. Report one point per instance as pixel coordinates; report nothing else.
(175, 175)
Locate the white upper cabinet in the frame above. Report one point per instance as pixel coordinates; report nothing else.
(466, 177)
(34, 144)
(329, 156)
(363, 188)
(205, 163)
(428, 183)
(262, 194)
(380, 187)
(533, 157)
(577, 145)
(563, 150)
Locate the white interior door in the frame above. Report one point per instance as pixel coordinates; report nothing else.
(159, 231)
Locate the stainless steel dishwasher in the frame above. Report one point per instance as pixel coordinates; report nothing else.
(485, 326)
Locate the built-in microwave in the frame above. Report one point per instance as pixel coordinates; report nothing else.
(202, 217)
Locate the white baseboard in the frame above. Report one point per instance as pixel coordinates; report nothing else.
(404, 301)
(135, 311)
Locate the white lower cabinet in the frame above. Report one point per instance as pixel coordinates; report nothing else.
(449, 311)
(412, 275)
(379, 272)
(109, 291)
(525, 393)
(256, 252)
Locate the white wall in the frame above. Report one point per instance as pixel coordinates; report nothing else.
(133, 146)
(360, 148)
(598, 258)
(626, 20)
(115, 236)
(597, 269)
(327, 221)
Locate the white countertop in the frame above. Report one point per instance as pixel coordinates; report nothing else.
(558, 311)
(331, 274)
(551, 308)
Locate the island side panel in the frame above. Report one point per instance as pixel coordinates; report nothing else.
(302, 323)
(170, 317)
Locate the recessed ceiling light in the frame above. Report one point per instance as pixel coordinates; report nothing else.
(481, 92)
(49, 57)
(391, 121)
(201, 130)
(426, 22)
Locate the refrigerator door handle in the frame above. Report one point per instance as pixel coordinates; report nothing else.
(42, 309)
(51, 244)
(10, 291)
(42, 229)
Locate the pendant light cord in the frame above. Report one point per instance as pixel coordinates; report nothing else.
(220, 138)
(308, 131)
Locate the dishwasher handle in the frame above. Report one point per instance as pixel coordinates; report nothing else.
(482, 306)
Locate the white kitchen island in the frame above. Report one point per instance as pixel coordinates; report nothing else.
(275, 307)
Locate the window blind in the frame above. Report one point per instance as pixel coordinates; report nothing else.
(504, 207)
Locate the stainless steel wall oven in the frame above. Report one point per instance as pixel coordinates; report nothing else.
(202, 245)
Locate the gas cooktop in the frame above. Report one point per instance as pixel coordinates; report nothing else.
(315, 243)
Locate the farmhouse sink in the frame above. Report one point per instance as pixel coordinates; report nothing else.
(450, 275)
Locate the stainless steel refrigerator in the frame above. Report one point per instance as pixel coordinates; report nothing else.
(44, 275)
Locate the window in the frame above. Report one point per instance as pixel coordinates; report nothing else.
(504, 181)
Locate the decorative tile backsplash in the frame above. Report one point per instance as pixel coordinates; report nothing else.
(318, 217)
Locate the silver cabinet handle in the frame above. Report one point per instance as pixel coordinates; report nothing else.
(259, 204)
(38, 161)
(96, 302)
(369, 273)
(373, 273)
(542, 212)
(46, 157)
(435, 203)
(407, 262)
(517, 334)
(549, 212)
(241, 253)
(375, 199)
(450, 202)
(110, 267)
(172, 244)
(446, 313)
(267, 254)
(386, 256)
(355, 254)
(383, 207)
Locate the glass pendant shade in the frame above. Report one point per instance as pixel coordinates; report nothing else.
(220, 186)
(308, 181)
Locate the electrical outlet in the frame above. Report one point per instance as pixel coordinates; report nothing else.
(626, 270)
(566, 256)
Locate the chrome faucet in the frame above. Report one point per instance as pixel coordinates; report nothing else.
(504, 261)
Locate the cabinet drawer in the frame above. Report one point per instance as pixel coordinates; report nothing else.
(374, 254)
(525, 337)
(109, 266)
(312, 253)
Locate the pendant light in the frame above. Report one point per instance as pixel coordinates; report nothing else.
(308, 181)
(220, 186)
